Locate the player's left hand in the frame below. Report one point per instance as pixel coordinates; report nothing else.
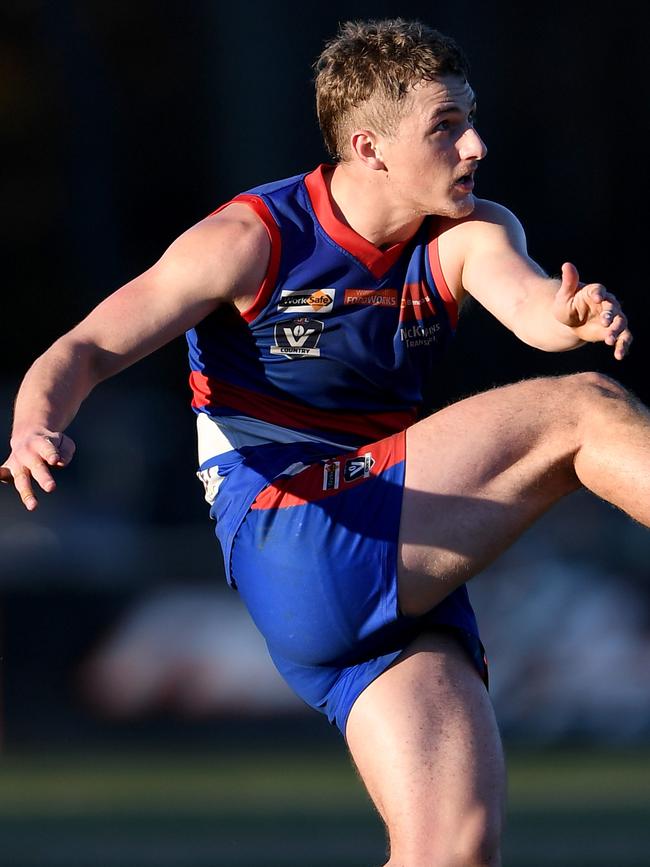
(592, 312)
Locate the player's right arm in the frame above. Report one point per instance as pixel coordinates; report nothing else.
(222, 259)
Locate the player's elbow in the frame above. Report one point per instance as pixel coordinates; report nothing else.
(89, 361)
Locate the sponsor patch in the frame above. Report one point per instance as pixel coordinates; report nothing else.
(419, 335)
(371, 297)
(358, 468)
(418, 315)
(416, 303)
(297, 338)
(307, 301)
(331, 475)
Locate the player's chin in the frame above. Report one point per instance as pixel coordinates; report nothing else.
(458, 207)
(465, 202)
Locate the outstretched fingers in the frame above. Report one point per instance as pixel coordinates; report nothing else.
(23, 484)
(30, 461)
(21, 478)
(620, 337)
(614, 321)
(594, 312)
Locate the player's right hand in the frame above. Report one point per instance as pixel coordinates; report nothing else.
(30, 461)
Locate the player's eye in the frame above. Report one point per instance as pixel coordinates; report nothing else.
(443, 126)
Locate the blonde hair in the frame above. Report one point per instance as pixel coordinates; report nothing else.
(367, 70)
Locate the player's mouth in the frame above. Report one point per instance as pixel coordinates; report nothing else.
(465, 183)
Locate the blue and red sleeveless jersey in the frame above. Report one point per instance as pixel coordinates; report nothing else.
(336, 349)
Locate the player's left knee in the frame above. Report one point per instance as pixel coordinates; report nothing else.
(592, 396)
(604, 386)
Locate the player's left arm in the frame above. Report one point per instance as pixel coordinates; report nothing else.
(551, 314)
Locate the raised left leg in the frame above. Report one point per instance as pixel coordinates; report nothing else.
(481, 471)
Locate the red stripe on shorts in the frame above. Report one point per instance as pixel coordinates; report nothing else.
(332, 476)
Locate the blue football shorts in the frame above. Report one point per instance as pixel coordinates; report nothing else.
(315, 561)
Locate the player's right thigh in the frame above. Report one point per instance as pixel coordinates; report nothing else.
(478, 473)
(425, 741)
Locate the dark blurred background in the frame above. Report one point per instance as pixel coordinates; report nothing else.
(122, 124)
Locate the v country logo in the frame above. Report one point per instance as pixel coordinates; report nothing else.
(314, 301)
(358, 468)
(297, 338)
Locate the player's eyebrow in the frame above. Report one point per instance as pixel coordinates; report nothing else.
(450, 108)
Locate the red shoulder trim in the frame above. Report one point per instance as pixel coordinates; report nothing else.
(375, 260)
(259, 206)
(444, 291)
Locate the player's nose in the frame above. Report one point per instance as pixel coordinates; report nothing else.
(471, 145)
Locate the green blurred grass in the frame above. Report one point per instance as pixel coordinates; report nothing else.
(261, 808)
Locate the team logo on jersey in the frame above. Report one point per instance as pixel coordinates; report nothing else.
(297, 338)
(371, 297)
(314, 301)
(358, 468)
(331, 474)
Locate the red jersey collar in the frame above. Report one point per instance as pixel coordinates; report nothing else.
(375, 260)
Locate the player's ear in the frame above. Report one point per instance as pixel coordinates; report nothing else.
(365, 146)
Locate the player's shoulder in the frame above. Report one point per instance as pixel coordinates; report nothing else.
(486, 213)
(225, 254)
(236, 228)
(490, 227)
(489, 223)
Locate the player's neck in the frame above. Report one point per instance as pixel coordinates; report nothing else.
(363, 201)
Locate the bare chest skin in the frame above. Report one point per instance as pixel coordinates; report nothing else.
(244, 302)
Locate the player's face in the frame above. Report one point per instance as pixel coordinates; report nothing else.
(432, 156)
